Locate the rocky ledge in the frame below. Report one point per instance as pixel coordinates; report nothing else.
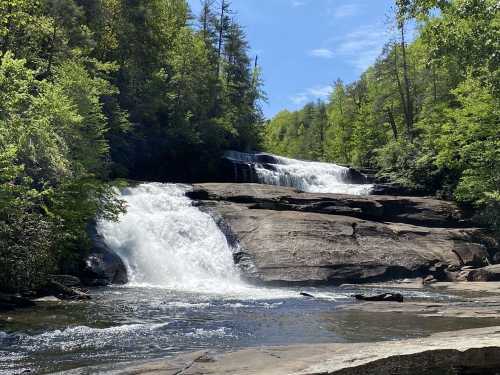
(283, 236)
(471, 352)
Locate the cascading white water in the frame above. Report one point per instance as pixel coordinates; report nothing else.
(308, 176)
(165, 241)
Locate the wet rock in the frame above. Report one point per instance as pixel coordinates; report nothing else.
(429, 280)
(385, 297)
(396, 190)
(353, 176)
(490, 273)
(13, 301)
(303, 294)
(67, 280)
(58, 290)
(102, 266)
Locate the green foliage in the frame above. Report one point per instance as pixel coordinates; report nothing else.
(96, 89)
(470, 142)
(426, 114)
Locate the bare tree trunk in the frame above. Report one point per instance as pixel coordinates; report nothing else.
(434, 83)
(221, 28)
(255, 66)
(409, 102)
(52, 50)
(398, 81)
(392, 122)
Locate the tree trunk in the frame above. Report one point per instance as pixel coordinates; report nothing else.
(221, 28)
(409, 102)
(392, 122)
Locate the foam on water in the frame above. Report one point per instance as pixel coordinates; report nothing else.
(166, 242)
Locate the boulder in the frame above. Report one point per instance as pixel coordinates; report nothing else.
(102, 266)
(285, 237)
(13, 301)
(490, 273)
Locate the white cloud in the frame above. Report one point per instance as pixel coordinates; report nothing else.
(324, 53)
(298, 3)
(363, 46)
(344, 11)
(312, 94)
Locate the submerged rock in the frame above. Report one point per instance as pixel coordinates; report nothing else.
(284, 236)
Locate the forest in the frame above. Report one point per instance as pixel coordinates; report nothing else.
(97, 92)
(93, 91)
(425, 115)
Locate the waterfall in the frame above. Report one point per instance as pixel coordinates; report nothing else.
(167, 242)
(308, 176)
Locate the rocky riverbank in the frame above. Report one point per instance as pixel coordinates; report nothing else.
(288, 237)
(471, 352)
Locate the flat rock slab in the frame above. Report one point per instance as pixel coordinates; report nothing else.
(287, 237)
(472, 352)
(413, 210)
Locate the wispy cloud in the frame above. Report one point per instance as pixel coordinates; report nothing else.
(324, 53)
(311, 94)
(343, 11)
(298, 3)
(363, 46)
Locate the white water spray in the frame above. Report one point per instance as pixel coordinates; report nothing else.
(166, 242)
(308, 176)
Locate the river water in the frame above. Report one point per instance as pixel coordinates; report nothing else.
(185, 293)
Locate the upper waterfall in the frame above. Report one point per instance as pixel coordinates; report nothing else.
(308, 176)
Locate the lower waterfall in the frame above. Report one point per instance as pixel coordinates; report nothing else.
(167, 242)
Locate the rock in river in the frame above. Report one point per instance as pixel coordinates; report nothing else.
(471, 352)
(102, 266)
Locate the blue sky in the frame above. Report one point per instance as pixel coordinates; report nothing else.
(305, 45)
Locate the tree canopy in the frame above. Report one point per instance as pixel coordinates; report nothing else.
(426, 114)
(94, 90)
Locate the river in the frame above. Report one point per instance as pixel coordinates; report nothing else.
(185, 293)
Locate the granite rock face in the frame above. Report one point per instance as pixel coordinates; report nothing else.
(287, 237)
(469, 352)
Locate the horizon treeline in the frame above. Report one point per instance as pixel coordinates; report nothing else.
(95, 90)
(426, 114)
